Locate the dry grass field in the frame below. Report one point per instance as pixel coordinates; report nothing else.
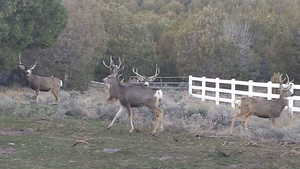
(72, 134)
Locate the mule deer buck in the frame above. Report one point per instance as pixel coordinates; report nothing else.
(260, 107)
(130, 95)
(41, 83)
(145, 79)
(277, 78)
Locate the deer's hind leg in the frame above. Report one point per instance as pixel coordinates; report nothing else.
(247, 118)
(37, 92)
(236, 116)
(273, 122)
(158, 119)
(130, 113)
(55, 94)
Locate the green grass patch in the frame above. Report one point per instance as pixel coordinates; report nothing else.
(51, 143)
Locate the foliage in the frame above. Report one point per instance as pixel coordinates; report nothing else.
(28, 24)
(230, 39)
(238, 39)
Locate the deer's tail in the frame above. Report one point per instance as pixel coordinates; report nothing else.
(60, 83)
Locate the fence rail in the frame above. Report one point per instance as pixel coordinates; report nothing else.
(176, 83)
(213, 89)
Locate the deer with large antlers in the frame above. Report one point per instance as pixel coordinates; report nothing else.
(146, 79)
(253, 106)
(130, 95)
(41, 83)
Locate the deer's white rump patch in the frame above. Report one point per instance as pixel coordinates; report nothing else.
(158, 95)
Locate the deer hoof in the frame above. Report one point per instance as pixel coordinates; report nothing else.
(131, 130)
(154, 134)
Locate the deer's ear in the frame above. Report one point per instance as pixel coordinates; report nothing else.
(290, 86)
(22, 67)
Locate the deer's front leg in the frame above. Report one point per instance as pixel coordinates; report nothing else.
(110, 100)
(37, 96)
(162, 121)
(131, 119)
(116, 117)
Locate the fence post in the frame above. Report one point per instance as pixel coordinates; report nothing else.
(250, 88)
(233, 93)
(269, 90)
(190, 84)
(291, 102)
(217, 91)
(203, 88)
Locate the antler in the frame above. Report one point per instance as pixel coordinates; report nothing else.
(20, 59)
(120, 64)
(21, 65)
(152, 78)
(286, 79)
(144, 78)
(112, 66)
(33, 66)
(116, 68)
(288, 83)
(140, 77)
(281, 81)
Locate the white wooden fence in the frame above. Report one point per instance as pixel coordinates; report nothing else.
(226, 91)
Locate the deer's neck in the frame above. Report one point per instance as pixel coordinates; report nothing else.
(114, 89)
(30, 78)
(282, 102)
